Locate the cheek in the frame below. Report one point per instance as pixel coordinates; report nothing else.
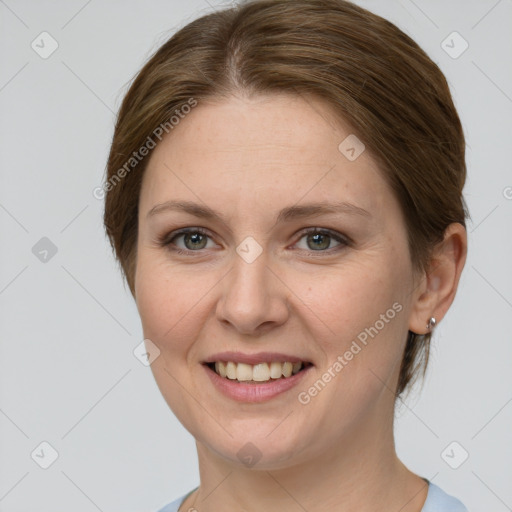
(153, 302)
(358, 318)
(360, 334)
(172, 302)
(161, 298)
(171, 317)
(345, 301)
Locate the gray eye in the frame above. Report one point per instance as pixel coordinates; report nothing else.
(318, 241)
(193, 241)
(197, 240)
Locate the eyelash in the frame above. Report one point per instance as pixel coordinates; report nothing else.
(167, 240)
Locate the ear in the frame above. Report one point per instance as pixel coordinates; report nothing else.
(437, 287)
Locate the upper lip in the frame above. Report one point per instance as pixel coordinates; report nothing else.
(259, 357)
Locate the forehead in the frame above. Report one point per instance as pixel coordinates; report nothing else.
(264, 150)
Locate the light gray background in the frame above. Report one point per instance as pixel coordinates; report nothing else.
(68, 326)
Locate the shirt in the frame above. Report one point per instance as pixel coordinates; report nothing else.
(437, 501)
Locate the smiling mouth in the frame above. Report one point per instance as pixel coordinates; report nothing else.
(257, 373)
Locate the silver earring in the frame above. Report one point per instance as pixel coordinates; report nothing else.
(431, 323)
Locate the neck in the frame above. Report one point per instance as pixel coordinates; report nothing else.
(361, 473)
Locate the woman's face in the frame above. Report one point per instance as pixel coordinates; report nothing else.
(256, 282)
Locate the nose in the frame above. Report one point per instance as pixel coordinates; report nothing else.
(254, 299)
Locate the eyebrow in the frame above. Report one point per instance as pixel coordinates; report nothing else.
(285, 215)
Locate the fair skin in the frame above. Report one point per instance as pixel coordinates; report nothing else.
(247, 159)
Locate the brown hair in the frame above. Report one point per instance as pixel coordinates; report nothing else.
(375, 77)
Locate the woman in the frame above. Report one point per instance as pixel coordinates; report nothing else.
(284, 195)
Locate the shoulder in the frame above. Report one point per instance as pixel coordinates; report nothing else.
(175, 505)
(439, 501)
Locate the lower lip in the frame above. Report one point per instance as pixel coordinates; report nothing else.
(257, 392)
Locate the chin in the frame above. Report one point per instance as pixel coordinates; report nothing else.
(253, 447)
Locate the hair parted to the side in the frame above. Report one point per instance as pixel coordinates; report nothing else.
(375, 78)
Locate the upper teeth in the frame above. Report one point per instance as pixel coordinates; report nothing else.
(259, 372)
